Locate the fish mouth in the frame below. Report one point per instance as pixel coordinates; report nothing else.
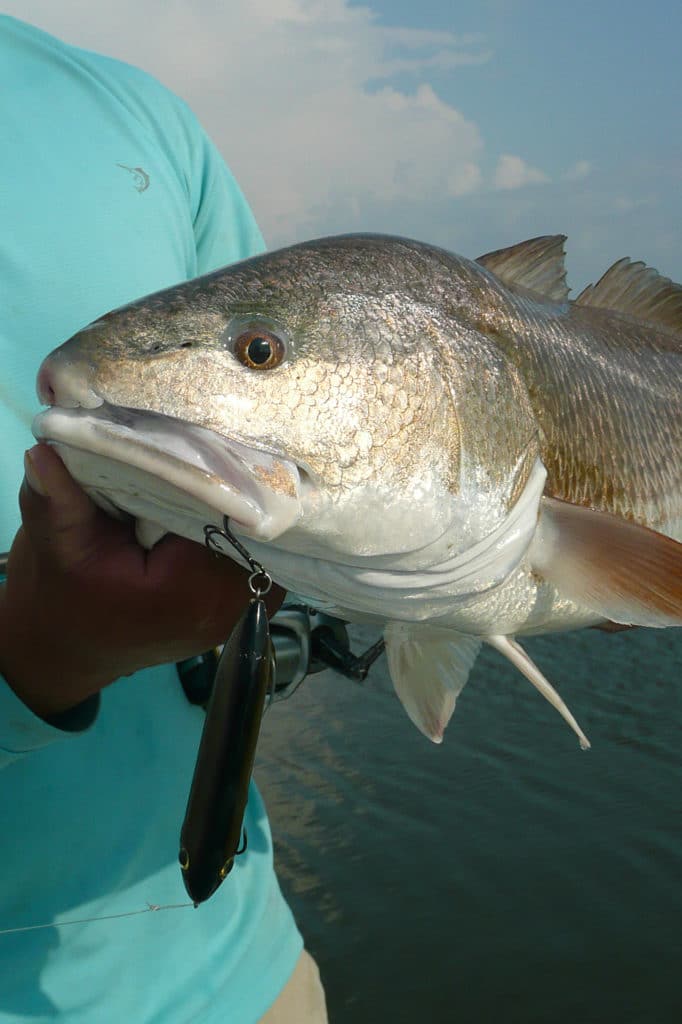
(172, 476)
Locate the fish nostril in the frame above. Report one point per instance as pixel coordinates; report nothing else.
(46, 392)
(65, 382)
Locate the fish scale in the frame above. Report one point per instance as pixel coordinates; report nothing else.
(610, 370)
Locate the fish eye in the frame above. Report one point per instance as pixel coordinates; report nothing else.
(258, 348)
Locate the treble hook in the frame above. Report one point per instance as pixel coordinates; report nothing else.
(257, 570)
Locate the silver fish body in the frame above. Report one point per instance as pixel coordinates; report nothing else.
(403, 435)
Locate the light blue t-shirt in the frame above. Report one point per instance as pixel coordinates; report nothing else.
(109, 189)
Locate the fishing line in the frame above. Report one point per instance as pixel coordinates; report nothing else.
(151, 908)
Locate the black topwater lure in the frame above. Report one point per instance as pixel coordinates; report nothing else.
(211, 832)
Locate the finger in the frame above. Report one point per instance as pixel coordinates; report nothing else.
(58, 516)
(215, 588)
(199, 571)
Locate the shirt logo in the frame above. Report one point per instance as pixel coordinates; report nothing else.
(140, 177)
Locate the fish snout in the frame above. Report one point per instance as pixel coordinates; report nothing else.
(64, 380)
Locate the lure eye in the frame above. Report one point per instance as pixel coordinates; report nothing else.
(259, 348)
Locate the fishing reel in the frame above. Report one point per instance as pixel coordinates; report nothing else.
(305, 642)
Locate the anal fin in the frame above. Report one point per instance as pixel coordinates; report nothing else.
(518, 657)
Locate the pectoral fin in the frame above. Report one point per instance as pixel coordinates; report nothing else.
(429, 667)
(511, 649)
(624, 572)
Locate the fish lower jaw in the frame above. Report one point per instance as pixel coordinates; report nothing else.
(172, 476)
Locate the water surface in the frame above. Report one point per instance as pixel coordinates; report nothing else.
(505, 875)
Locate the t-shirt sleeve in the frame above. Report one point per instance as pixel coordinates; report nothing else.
(225, 229)
(22, 732)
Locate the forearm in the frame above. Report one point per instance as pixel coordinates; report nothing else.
(34, 670)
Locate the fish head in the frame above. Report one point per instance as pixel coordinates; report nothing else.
(313, 395)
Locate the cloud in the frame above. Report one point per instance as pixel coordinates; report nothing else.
(318, 108)
(578, 171)
(626, 204)
(513, 172)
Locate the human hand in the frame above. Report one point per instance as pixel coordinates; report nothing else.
(84, 604)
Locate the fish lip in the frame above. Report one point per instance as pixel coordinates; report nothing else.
(258, 489)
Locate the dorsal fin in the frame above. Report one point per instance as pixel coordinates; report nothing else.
(633, 288)
(536, 265)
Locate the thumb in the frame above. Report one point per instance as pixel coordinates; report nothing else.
(58, 516)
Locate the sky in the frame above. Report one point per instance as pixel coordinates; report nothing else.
(471, 124)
